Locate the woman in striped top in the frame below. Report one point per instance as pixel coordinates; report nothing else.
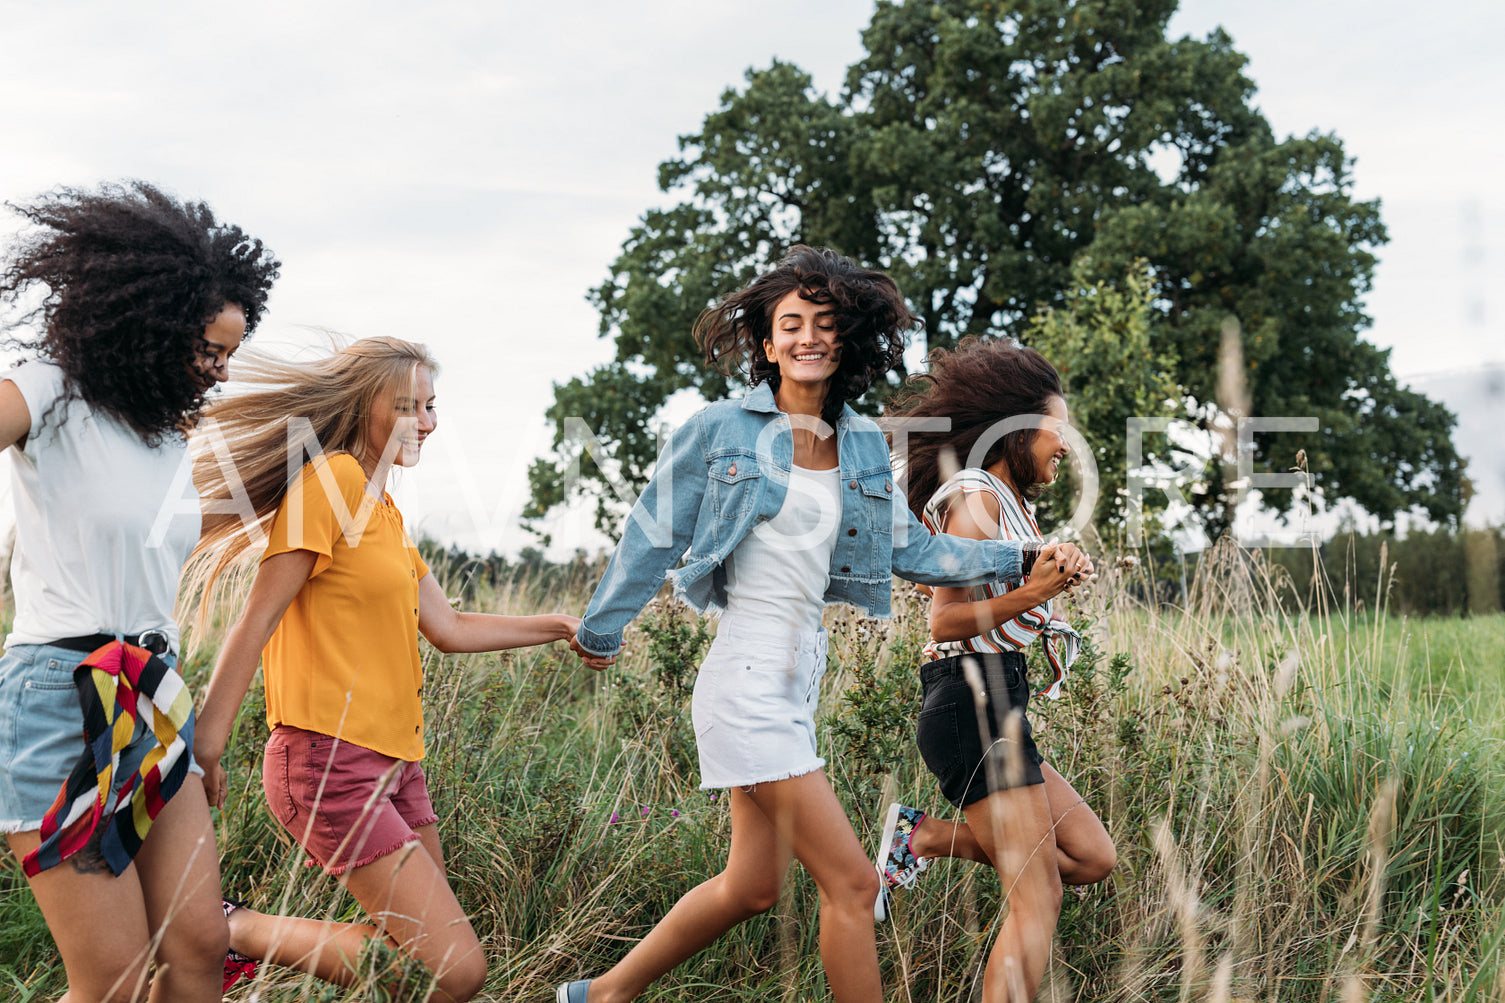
(991, 501)
(1007, 413)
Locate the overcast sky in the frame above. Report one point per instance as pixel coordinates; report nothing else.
(462, 173)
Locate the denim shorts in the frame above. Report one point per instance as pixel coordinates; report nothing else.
(324, 792)
(952, 727)
(42, 733)
(754, 705)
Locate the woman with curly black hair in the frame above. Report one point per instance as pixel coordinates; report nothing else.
(140, 300)
(785, 501)
(1008, 435)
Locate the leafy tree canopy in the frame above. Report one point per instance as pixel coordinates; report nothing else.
(999, 157)
(1099, 339)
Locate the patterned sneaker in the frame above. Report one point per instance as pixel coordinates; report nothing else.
(896, 863)
(237, 965)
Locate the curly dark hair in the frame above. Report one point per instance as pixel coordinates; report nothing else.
(871, 322)
(132, 278)
(978, 385)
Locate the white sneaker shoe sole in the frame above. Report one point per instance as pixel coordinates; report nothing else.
(880, 906)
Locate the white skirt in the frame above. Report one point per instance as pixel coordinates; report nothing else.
(754, 704)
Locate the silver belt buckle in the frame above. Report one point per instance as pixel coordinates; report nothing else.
(154, 641)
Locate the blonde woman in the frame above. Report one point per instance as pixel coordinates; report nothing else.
(334, 612)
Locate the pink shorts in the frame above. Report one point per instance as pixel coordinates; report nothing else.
(324, 792)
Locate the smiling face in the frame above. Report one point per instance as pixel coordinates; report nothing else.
(1046, 449)
(222, 336)
(1049, 446)
(803, 342)
(408, 414)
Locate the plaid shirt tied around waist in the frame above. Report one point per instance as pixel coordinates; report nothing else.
(118, 684)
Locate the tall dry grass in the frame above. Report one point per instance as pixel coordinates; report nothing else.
(1306, 802)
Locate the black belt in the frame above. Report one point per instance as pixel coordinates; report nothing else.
(950, 666)
(154, 641)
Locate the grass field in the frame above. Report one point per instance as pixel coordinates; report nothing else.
(1307, 806)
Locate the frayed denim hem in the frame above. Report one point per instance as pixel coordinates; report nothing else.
(748, 785)
(345, 865)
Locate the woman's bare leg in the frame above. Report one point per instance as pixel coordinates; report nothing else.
(179, 872)
(323, 949)
(164, 907)
(748, 885)
(799, 817)
(823, 841)
(1084, 853)
(936, 837)
(409, 891)
(408, 894)
(1015, 829)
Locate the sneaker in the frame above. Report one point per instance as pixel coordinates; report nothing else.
(897, 864)
(237, 965)
(572, 992)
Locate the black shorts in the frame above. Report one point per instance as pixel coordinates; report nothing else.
(952, 726)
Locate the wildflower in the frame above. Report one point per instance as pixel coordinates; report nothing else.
(674, 813)
(615, 818)
(645, 811)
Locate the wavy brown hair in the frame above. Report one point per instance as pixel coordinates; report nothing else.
(287, 409)
(128, 278)
(978, 385)
(871, 317)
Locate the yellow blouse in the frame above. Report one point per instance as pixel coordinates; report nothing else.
(344, 660)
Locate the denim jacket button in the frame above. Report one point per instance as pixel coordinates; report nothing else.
(888, 486)
(731, 471)
(852, 531)
(852, 485)
(845, 569)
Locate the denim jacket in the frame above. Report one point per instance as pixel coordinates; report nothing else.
(726, 470)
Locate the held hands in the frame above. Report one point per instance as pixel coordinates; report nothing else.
(1059, 567)
(569, 627)
(595, 661)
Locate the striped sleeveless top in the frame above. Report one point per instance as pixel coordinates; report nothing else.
(1016, 521)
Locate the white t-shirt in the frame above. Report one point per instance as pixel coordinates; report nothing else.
(779, 572)
(104, 523)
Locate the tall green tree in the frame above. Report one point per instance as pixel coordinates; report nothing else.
(1099, 338)
(977, 152)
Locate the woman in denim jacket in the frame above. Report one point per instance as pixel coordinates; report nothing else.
(779, 503)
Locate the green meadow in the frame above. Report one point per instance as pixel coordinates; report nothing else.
(1307, 804)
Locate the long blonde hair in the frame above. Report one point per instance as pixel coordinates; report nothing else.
(242, 462)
